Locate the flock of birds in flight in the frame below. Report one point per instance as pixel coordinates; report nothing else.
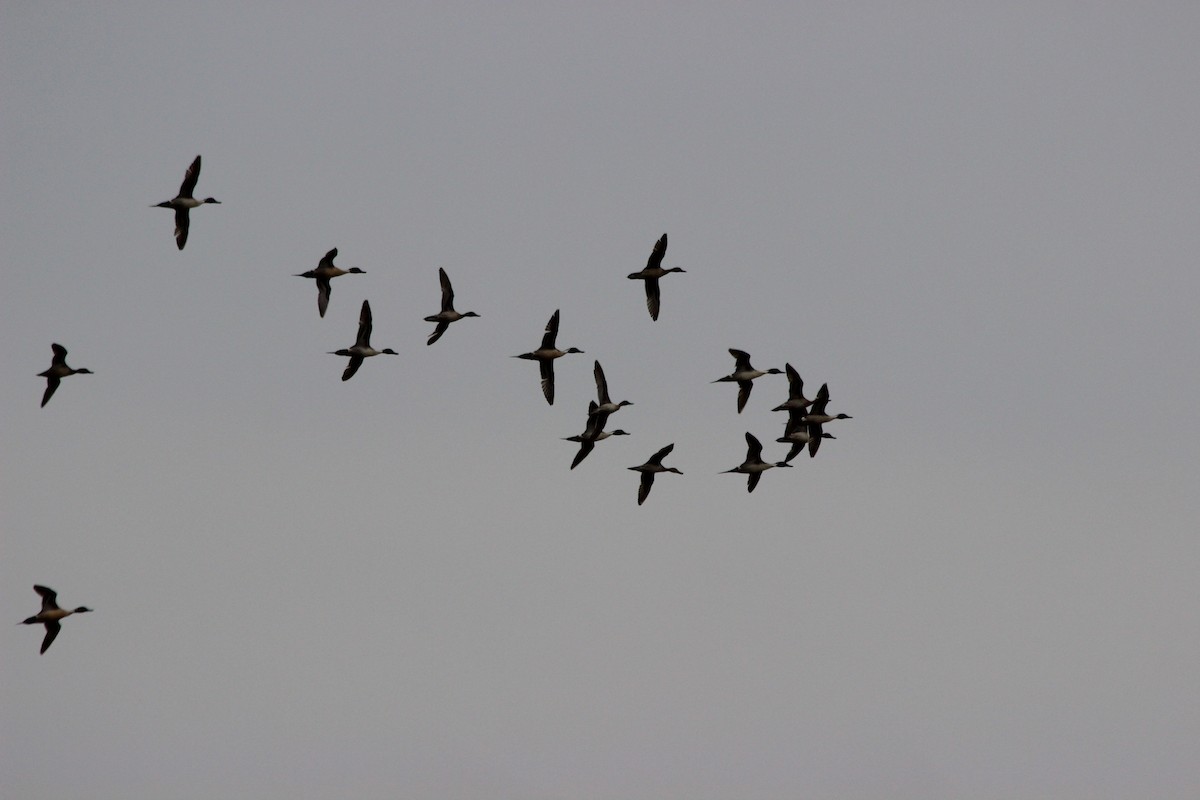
(804, 427)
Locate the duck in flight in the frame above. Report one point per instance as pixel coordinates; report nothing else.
(651, 468)
(325, 272)
(51, 614)
(184, 202)
(605, 405)
(754, 466)
(815, 419)
(652, 272)
(546, 354)
(594, 432)
(58, 370)
(362, 345)
(797, 434)
(447, 315)
(743, 374)
(796, 399)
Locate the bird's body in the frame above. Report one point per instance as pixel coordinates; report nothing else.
(183, 202)
(754, 466)
(546, 354)
(652, 467)
(58, 370)
(447, 315)
(743, 374)
(362, 346)
(51, 615)
(323, 274)
(651, 273)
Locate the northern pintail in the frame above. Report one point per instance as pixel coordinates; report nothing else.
(546, 354)
(184, 202)
(605, 405)
(816, 417)
(51, 614)
(447, 315)
(58, 370)
(796, 398)
(650, 469)
(325, 272)
(743, 374)
(594, 432)
(754, 466)
(362, 345)
(652, 272)
(798, 437)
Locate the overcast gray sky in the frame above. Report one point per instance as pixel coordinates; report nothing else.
(978, 225)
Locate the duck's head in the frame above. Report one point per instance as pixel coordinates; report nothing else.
(212, 200)
(774, 371)
(573, 350)
(843, 416)
(30, 621)
(618, 432)
(783, 464)
(357, 271)
(387, 351)
(470, 314)
(81, 610)
(84, 371)
(624, 403)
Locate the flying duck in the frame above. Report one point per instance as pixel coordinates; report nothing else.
(754, 466)
(58, 370)
(447, 315)
(594, 432)
(743, 374)
(652, 272)
(605, 403)
(362, 345)
(796, 398)
(648, 470)
(546, 354)
(325, 272)
(50, 615)
(816, 417)
(184, 202)
(797, 434)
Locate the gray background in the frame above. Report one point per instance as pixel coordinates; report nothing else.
(978, 225)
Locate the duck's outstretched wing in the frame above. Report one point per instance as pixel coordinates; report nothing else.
(645, 487)
(547, 368)
(183, 221)
(352, 367)
(658, 253)
(52, 629)
(652, 297)
(189, 179)
(441, 328)
(551, 334)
